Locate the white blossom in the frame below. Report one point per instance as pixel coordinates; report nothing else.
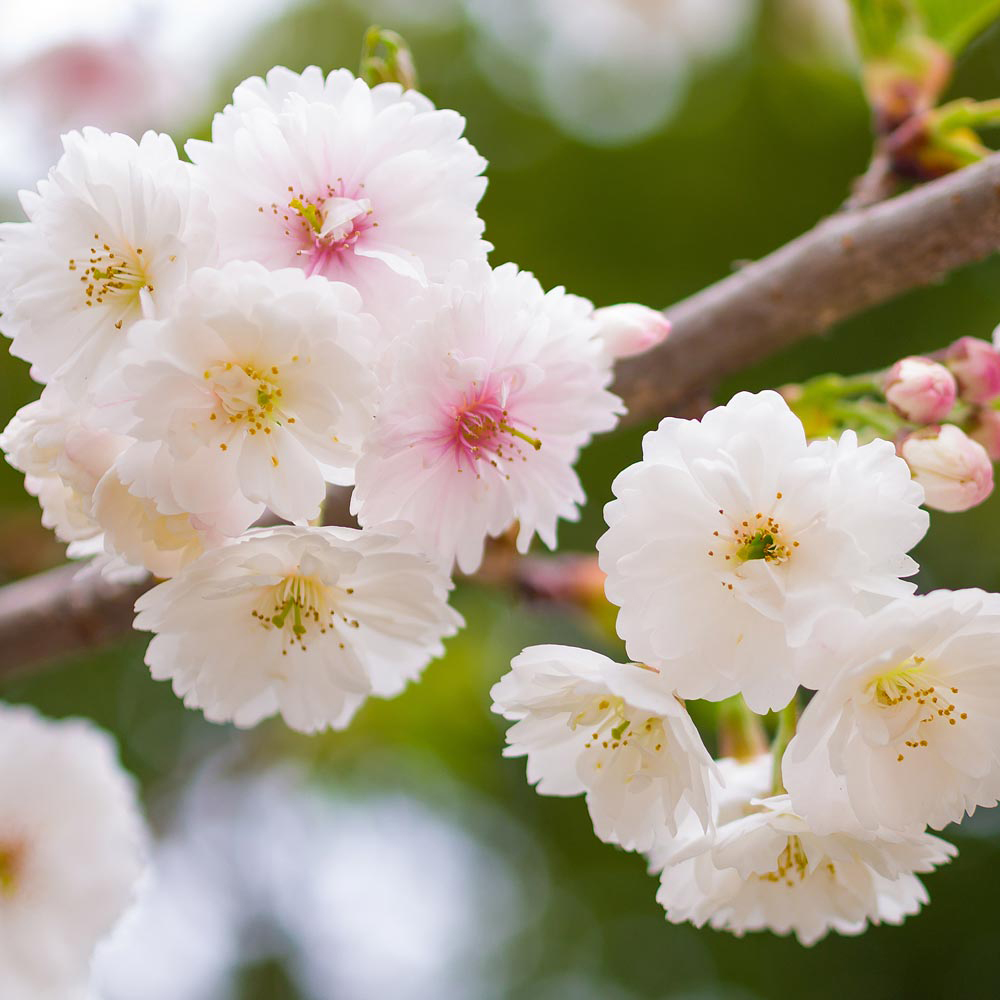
(371, 186)
(733, 537)
(590, 725)
(767, 870)
(258, 385)
(63, 453)
(81, 472)
(905, 728)
(72, 847)
(487, 401)
(113, 232)
(305, 622)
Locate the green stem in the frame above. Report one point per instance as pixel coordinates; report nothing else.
(741, 734)
(788, 718)
(878, 418)
(965, 113)
(386, 58)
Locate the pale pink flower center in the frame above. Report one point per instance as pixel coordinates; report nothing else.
(325, 225)
(480, 427)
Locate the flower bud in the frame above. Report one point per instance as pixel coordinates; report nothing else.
(984, 427)
(955, 471)
(920, 390)
(976, 367)
(629, 329)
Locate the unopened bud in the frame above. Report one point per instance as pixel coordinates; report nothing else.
(920, 390)
(630, 329)
(955, 471)
(976, 367)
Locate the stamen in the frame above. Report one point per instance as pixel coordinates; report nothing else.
(792, 861)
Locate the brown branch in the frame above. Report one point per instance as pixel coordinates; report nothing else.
(56, 613)
(845, 265)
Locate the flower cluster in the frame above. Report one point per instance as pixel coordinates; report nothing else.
(957, 434)
(304, 304)
(747, 563)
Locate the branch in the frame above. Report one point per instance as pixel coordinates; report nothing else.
(845, 265)
(57, 613)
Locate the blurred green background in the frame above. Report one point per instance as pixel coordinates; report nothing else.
(765, 141)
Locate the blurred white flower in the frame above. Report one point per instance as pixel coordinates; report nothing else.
(305, 622)
(113, 233)
(767, 870)
(378, 896)
(371, 186)
(487, 400)
(605, 70)
(120, 65)
(733, 536)
(904, 730)
(587, 724)
(257, 385)
(72, 846)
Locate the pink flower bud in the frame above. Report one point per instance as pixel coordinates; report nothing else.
(955, 471)
(920, 390)
(630, 329)
(985, 428)
(976, 367)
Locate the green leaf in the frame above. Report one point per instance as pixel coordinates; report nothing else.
(882, 25)
(954, 23)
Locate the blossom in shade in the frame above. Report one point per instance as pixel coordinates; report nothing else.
(589, 725)
(112, 233)
(371, 186)
(136, 531)
(72, 848)
(305, 622)
(954, 470)
(630, 329)
(733, 536)
(486, 402)
(734, 784)
(81, 472)
(258, 385)
(767, 870)
(975, 364)
(920, 390)
(63, 454)
(904, 730)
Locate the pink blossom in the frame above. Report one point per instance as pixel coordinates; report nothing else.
(486, 402)
(955, 471)
(920, 390)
